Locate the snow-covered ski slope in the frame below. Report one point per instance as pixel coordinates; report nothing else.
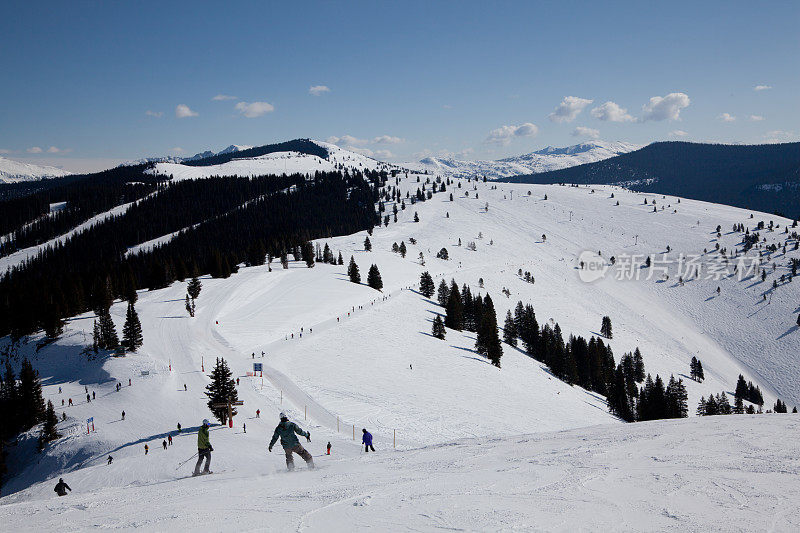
(275, 163)
(379, 368)
(718, 474)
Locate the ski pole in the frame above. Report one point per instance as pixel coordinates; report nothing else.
(187, 460)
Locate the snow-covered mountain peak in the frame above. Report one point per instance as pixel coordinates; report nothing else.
(16, 171)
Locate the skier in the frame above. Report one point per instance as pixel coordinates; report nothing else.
(179, 427)
(146, 449)
(88, 399)
(169, 439)
(110, 459)
(164, 444)
(62, 402)
(184, 387)
(286, 431)
(258, 413)
(62, 488)
(129, 382)
(366, 440)
(237, 382)
(59, 390)
(204, 449)
(254, 355)
(123, 415)
(70, 402)
(86, 388)
(244, 428)
(329, 448)
(93, 395)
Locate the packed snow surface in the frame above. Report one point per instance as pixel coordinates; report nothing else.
(15, 171)
(461, 444)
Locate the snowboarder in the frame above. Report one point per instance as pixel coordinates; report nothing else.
(146, 449)
(328, 452)
(62, 488)
(286, 431)
(110, 459)
(123, 415)
(258, 413)
(366, 440)
(204, 448)
(169, 439)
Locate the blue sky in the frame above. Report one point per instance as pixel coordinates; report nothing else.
(88, 84)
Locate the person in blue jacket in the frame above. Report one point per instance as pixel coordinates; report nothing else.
(366, 440)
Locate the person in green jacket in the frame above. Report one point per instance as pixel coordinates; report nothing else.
(286, 430)
(204, 449)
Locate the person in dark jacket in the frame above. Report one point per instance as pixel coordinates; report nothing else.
(62, 488)
(366, 440)
(110, 459)
(204, 449)
(286, 430)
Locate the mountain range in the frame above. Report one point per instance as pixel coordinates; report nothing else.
(15, 171)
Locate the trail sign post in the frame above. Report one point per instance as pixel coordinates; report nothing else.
(89, 421)
(229, 406)
(258, 367)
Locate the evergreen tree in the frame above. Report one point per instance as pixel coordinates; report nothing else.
(700, 375)
(605, 328)
(132, 330)
(693, 368)
(443, 294)
(638, 365)
(340, 261)
(222, 389)
(488, 341)
(723, 405)
(367, 245)
(9, 404)
(416, 217)
(352, 271)
(374, 278)
(307, 254)
(738, 406)
(327, 255)
(454, 319)
(189, 304)
(701, 407)
(741, 388)
(108, 332)
(49, 431)
(510, 330)
(426, 285)
(193, 288)
(619, 402)
(403, 249)
(438, 327)
(31, 403)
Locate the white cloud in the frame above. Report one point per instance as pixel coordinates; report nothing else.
(504, 134)
(727, 117)
(665, 107)
(762, 87)
(183, 111)
(387, 139)
(4, 151)
(157, 114)
(55, 150)
(177, 150)
(383, 154)
(444, 154)
(254, 109)
(583, 131)
(447, 106)
(569, 108)
(756, 118)
(346, 140)
(34, 150)
(318, 90)
(780, 136)
(611, 112)
(678, 133)
(221, 97)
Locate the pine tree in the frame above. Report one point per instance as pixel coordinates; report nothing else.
(693, 368)
(31, 403)
(49, 431)
(367, 245)
(193, 288)
(454, 319)
(738, 406)
(9, 404)
(488, 341)
(108, 332)
(443, 294)
(132, 330)
(700, 375)
(340, 261)
(605, 328)
(374, 278)
(352, 271)
(416, 217)
(701, 407)
(307, 254)
(426, 285)
(638, 365)
(510, 330)
(222, 389)
(189, 304)
(741, 388)
(403, 249)
(438, 327)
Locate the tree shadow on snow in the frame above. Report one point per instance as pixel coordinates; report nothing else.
(789, 332)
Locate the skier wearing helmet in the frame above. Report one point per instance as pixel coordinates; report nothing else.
(286, 431)
(204, 449)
